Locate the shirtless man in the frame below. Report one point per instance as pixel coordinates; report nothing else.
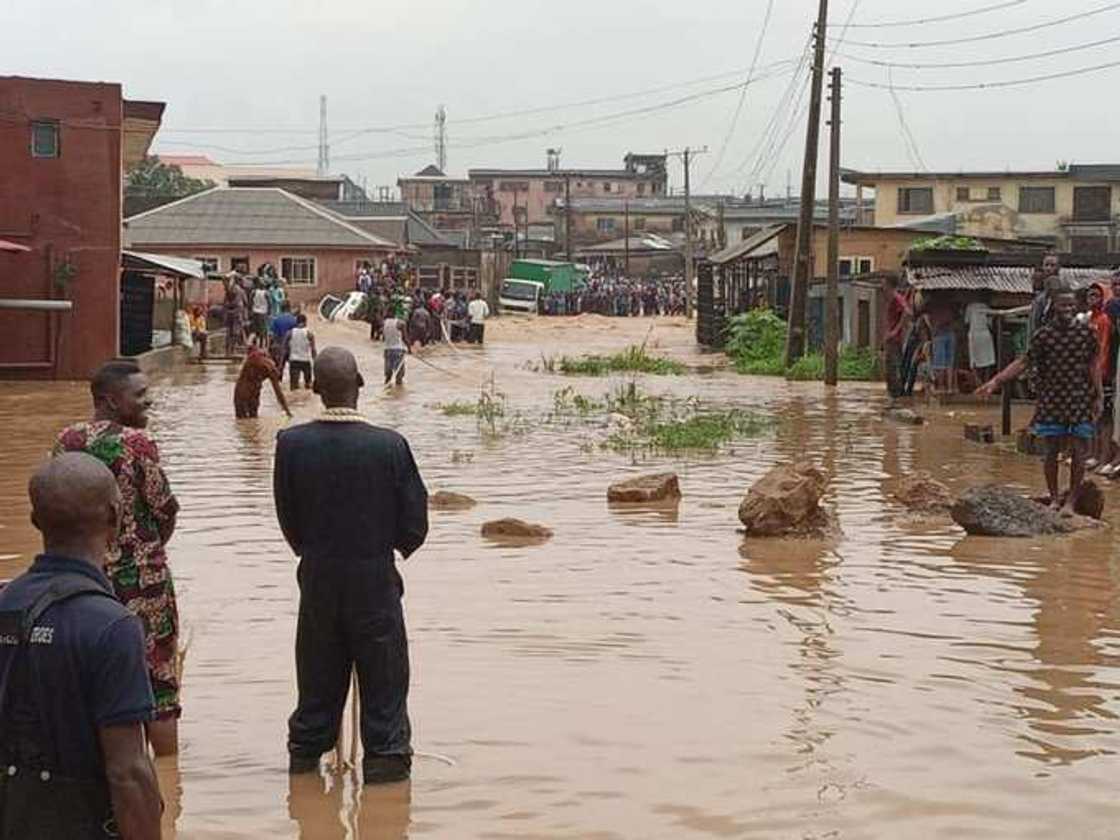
(247, 393)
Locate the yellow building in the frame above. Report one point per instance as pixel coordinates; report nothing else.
(1076, 209)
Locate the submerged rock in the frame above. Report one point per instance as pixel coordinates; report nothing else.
(659, 487)
(996, 511)
(906, 416)
(446, 500)
(515, 529)
(786, 501)
(922, 493)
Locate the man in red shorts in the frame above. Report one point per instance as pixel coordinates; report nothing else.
(137, 564)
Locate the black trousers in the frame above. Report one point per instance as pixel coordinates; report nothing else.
(475, 333)
(350, 616)
(300, 370)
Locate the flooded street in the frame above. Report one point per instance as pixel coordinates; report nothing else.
(643, 674)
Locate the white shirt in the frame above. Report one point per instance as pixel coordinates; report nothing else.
(391, 330)
(479, 310)
(299, 345)
(260, 302)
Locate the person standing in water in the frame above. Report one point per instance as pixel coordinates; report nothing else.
(395, 334)
(74, 689)
(348, 495)
(257, 368)
(1064, 355)
(136, 562)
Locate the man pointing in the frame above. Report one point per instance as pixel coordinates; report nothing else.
(347, 495)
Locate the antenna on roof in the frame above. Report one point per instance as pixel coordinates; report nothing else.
(441, 138)
(324, 148)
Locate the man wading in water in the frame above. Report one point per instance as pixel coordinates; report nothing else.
(1063, 353)
(347, 494)
(136, 562)
(74, 690)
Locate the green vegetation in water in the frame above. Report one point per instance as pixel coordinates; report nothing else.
(489, 409)
(459, 408)
(756, 342)
(704, 431)
(634, 359)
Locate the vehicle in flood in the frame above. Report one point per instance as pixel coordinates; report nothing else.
(520, 297)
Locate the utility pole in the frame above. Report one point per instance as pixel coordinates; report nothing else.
(626, 233)
(686, 155)
(441, 138)
(832, 287)
(568, 218)
(324, 148)
(803, 262)
(516, 245)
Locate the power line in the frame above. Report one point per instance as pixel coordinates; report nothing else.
(985, 85)
(908, 140)
(991, 35)
(982, 62)
(939, 19)
(742, 95)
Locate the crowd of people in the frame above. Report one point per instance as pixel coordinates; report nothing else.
(90, 667)
(619, 296)
(1066, 360)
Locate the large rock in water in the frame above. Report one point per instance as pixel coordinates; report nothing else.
(995, 511)
(922, 493)
(515, 529)
(659, 487)
(786, 501)
(446, 500)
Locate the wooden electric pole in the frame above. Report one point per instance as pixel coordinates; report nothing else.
(687, 155)
(626, 234)
(568, 218)
(803, 260)
(832, 287)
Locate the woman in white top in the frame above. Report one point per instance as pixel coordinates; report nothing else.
(981, 347)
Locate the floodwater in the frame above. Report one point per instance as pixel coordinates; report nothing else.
(644, 674)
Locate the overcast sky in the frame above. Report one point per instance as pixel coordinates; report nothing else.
(256, 68)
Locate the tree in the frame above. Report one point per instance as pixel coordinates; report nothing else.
(151, 178)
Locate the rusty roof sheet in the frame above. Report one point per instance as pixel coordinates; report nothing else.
(993, 278)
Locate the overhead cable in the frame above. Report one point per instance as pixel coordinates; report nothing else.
(985, 85)
(985, 62)
(940, 18)
(1006, 33)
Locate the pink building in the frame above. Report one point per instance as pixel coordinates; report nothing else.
(536, 194)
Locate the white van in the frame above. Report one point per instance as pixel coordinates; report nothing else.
(520, 297)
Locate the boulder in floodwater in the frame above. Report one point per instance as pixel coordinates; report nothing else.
(1090, 501)
(922, 493)
(786, 502)
(997, 511)
(658, 487)
(446, 500)
(905, 416)
(515, 529)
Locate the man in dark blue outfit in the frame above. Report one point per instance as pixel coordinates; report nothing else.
(347, 495)
(74, 689)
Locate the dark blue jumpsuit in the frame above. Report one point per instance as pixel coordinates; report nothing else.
(347, 495)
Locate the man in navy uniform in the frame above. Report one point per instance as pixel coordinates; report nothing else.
(74, 689)
(347, 495)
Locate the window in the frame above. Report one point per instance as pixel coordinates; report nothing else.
(962, 194)
(210, 263)
(553, 186)
(866, 265)
(1036, 199)
(678, 224)
(641, 188)
(44, 139)
(918, 200)
(604, 225)
(640, 223)
(298, 271)
(850, 266)
(993, 194)
(513, 186)
(239, 264)
(607, 186)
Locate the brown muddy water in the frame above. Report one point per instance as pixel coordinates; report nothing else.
(644, 674)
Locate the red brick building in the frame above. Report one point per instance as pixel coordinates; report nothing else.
(63, 148)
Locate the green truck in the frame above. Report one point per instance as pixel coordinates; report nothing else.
(531, 280)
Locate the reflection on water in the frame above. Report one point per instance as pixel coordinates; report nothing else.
(646, 672)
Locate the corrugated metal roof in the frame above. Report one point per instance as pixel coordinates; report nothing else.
(246, 216)
(648, 243)
(399, 221)
(993, 278)
(179, 266)
(747, 246)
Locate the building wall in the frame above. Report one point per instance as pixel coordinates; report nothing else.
(984, 217)
(335, 268)
(539, 194)
(68, 210)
